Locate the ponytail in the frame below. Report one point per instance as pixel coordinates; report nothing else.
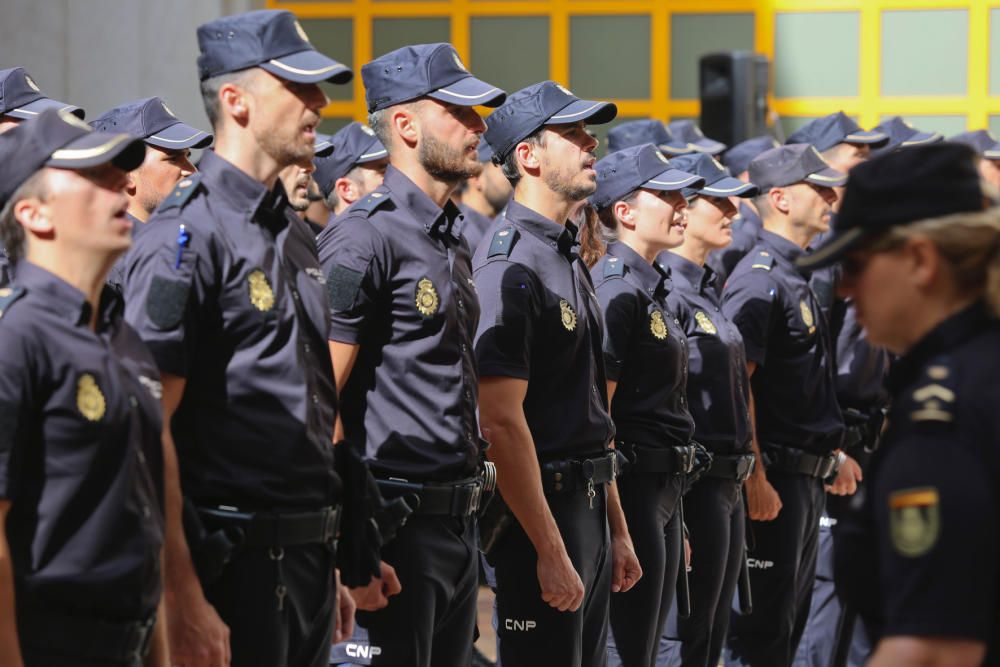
(598, 229)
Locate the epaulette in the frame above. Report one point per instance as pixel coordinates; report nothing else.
(935, 397)
(371, 202)
(9, 295)
(502, 243)
(614, 267)
(763, 260)
(181, 193)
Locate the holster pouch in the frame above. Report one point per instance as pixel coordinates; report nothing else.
(494, 522)
(211, 550)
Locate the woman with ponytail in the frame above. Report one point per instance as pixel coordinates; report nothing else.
(640, 210)
(919, 554)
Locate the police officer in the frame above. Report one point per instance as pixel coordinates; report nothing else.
(354, 168)
(483, 197)
(225, 288)
(81, 475)
(297, 182)
(902, 134)
(543, 392)
(717, 392)
(404, 311)
(639, 132)
(919, 555)
(988, 148)
(687, 137)
(168, 160)
(640, 205)
(792, 400)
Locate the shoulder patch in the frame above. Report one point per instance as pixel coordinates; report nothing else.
(935, 396)
(614, 267)
(371, 202)
(9, 295)
(166, 301)
(503, 242)
(181, 193)
(762, 260)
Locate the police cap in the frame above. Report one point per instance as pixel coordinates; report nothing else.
(636, 167)
(637, 133)
(790, 164)
(353, 145)
(738, 158)
(718, 182)
(21, 98)
(836, 128)
(982, 141)
(687, 137)
(149, 119)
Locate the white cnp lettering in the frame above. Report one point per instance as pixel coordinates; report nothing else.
(362, 651)
(756, 564)
(519, 626)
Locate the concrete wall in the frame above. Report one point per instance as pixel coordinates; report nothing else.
(100, 53)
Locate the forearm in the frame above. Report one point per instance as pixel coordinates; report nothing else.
(759, 471)
(179, 577)
(927, 652)
(616, 515)
(10, 647)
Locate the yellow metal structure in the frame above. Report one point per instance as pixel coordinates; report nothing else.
(868, 106)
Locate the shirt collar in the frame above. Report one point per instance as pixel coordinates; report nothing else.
(434, 219)
(784, 248)
(700, 278)
(63, 299)
(651, 277)
(243, 191)
(561, 238)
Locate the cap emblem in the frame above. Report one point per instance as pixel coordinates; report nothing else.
(261, 294)
(89, 399)
(718, 165)
(428, 301)
(367, 130)
(662, 158)
(302, 31)
(458, 61)
(169, 112)
(657, 325)
(564, 89)
(705, 323)
(69, 117)
(31, 83)
(807, 316)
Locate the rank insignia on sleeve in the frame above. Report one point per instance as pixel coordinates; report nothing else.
(427, 298)
(89, 399)
(261, 294)
(914, 520)
(807, 316)
(657, 325)
(706, 324)
(935, 404)
(567, 315)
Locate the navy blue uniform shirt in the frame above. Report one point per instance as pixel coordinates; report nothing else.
(541, 322)
(400, 286)
(238, 308)
(645, 350)
(921, 552)
(786, 335)
(717, 386)
(81, 458)
(116, 277)
(475, 226)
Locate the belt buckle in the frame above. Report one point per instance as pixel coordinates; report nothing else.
(330, 522)
(687, 459)
(476, 496)
(826, 466)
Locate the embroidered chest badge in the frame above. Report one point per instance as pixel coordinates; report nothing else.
(657, 325)
(89, 399)
(427, 298)
(261, 294)
(567, 315)
(706, 324)
(914, 520)
(807, 316)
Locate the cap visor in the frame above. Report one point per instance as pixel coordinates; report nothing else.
(180, 136)
(323, 145)
(308, 67)
(470, 92)
(594, 113)
(729, 187)
(830, 178)
(992, 153)
(673, 179)
(922, 138)
(871, 137)
(32, 109)
(709, 146)
(676, 149)
(374, 151)
(833, 250)
(95, 148)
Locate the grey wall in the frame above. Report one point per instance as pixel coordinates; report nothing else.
(100, 53)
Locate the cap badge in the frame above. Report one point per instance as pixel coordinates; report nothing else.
(807, 316)
(662, 158)
(705, 323)
(564, 89)
(427, 297)
(657, 325)
(718, 165)
(89, 399)
(914, 520)
(567, 315)
(31, 83)
(367, 130)
(169, 112)
(458, 62)
(69, 117)
(302, 31)
(261, 294)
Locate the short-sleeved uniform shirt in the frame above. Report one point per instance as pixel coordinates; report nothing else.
(786, 335)
(717, 386)
(400, 287)
(541, 322)
(921, 552)
(475, 226)
(116, 277)
(645, 350)
(80, 452)
(238, 309)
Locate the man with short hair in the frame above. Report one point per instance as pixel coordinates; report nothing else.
(404, 311)
(484, 197)
(799, 426)
(168, 160)
(226, 290)
(353, 170)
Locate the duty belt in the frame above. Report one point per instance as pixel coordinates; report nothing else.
(568, 475)
(736, 467)
(644, 459)
(275, 529)
(798, 462)
(460, 498)
(85, 636)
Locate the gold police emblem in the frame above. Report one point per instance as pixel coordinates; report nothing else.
(807, 316)
(657, 325)
(89, 399)
(914, 520)
(705, 323)
(261, 294)
(427, 297)
(567, 315)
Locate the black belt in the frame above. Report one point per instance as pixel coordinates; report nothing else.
(737, 467)
(85, 636)
(568, 475)
(798, 462)
(672, 460)
(276, 529)
(460, 498)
